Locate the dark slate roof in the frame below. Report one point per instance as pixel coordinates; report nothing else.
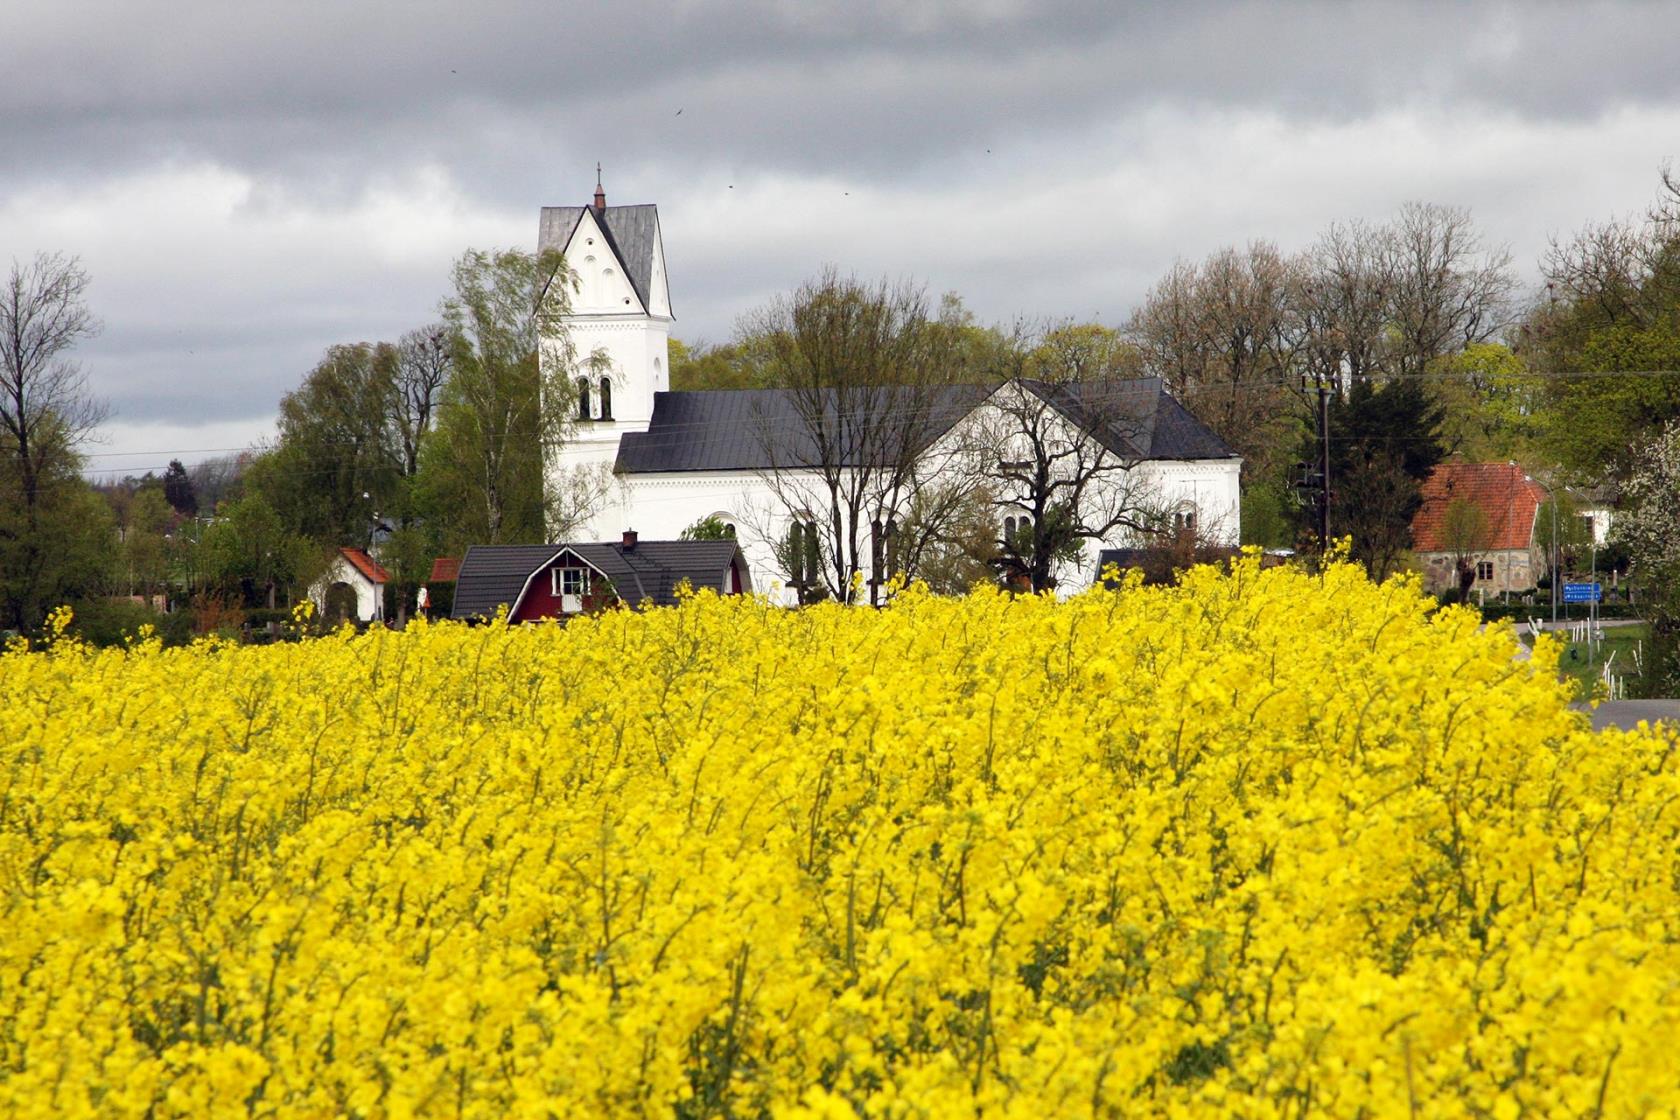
(760, 429)
(754, 429)
(650, 571)
(1135, 418)
(632, 231)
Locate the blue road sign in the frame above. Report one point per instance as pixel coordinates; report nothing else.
(1583, 592)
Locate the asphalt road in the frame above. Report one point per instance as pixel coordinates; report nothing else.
(1628, 714)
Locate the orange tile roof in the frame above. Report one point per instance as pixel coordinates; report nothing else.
(1508, 498)
(365, 564)
(445, 569)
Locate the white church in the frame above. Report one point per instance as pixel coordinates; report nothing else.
(676, 458)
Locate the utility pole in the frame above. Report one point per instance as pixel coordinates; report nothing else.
(1324, 464)
(1555, 592)
(1317, 482)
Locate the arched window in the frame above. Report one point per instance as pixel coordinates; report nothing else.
(606, 398)
(583, 398)
(1008, 529)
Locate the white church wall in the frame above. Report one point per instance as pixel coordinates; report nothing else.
(661, 506)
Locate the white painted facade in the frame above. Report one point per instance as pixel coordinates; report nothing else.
(609, 322)
(370, 599)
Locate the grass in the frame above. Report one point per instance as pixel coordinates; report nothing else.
(1585, 666)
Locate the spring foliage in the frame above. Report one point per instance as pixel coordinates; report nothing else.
(1267, 844)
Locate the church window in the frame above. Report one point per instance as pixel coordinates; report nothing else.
(606, 398)
(583, 398)
(1484, 569)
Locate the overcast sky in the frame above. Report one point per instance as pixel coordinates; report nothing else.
(248, 184)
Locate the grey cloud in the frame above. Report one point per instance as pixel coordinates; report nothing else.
(1104, 130)
(325, 92)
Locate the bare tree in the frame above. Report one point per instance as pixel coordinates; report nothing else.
(1217, 333)
(1062, 469)
(1340, 304)
(46, 411)
(1446, 292)
(423, 366)
(1466, 535)
(849, 438)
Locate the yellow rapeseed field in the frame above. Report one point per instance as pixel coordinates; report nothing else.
(1268, 845)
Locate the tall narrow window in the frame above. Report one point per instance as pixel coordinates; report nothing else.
(583, 398)
(606, 398)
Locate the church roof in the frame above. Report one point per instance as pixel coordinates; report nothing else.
(1134, 418)
(759, 429)
(755, 429)
(632, 231)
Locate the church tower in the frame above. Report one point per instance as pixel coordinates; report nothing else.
(620, 320)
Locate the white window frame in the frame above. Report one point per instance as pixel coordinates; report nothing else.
(570, 601)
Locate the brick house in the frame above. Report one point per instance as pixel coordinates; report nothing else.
(1501, 543)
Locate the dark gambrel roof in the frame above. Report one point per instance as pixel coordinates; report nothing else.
(649, 571)
(632, 231)
(760, 429)
(491, 575)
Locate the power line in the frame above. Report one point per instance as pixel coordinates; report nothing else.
(679, 429)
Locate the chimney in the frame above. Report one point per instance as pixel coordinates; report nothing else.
(600, 195)
(629, 539)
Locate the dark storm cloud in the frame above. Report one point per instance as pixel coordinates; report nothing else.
(250, 183)
(328, 93)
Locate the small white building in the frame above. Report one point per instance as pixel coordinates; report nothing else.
(669, 459)
(353, 586)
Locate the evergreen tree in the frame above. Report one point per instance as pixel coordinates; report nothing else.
(178, 489)
(1384, 441)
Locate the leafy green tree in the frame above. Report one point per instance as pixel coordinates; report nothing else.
(59, 550)
(249, 554)
(482, 470)
(729, 365)
(50, 521)
(1489, 402)
(1607, 337)
(709, 529)
(335, 464)
(142, 560)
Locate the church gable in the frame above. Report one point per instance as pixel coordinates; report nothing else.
(603, 284)
(658, 291)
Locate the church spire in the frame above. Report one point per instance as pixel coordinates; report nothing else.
(600, 195)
